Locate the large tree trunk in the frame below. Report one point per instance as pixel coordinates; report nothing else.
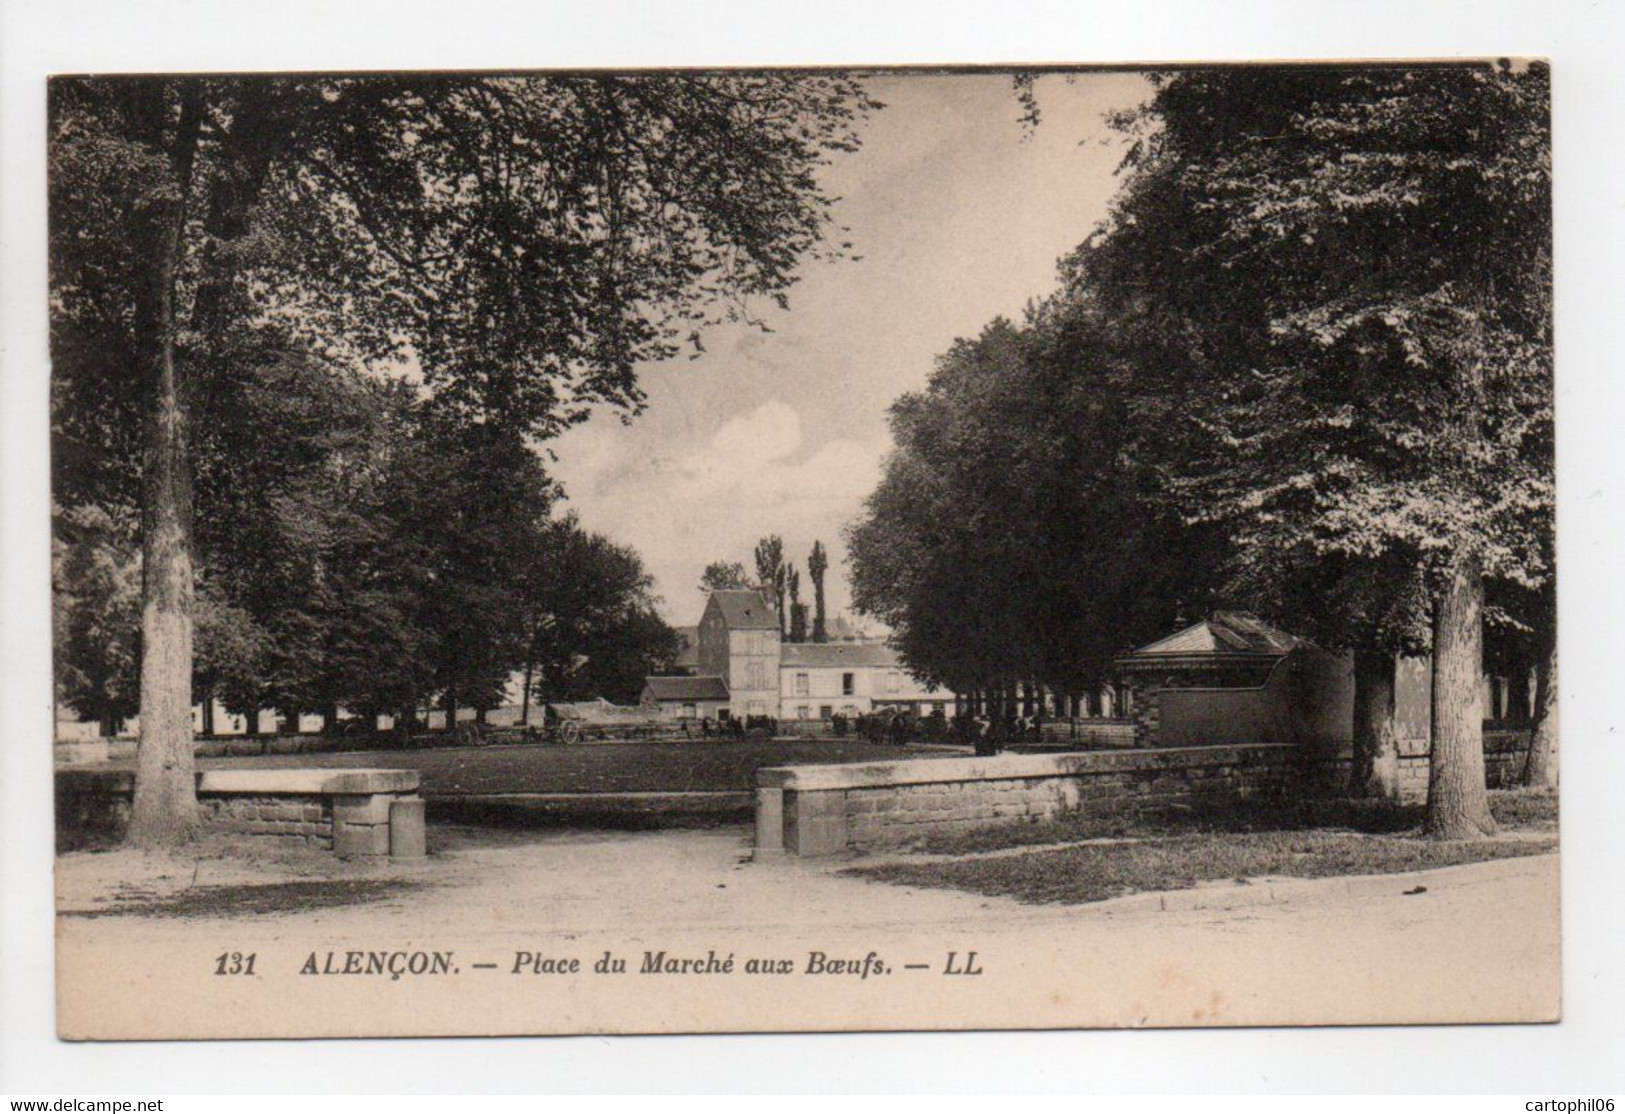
(1374, 771)
(165, 808)
(164, 811)
(1540, 767)
(1458, 802)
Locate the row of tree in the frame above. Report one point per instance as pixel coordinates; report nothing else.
(353, 552)
(1305, 367)
(782, 579)
(510, 247)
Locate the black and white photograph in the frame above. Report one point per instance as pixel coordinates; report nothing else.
(719, 550)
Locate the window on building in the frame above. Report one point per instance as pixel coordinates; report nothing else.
(690, 711)
(894, 681)
(825, 711)
(802, 684)
(849, 684)
(803, 712)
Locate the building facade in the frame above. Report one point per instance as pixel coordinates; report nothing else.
(739, 642)
(743, 668)
(819, 680)
(687, 697)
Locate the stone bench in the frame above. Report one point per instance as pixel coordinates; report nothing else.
(353, 813)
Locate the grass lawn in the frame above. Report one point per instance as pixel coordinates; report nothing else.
(1515, 810)
(1179, 850)
(697, 766)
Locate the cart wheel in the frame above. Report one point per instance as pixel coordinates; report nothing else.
(570, 733)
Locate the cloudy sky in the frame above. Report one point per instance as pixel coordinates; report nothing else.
(959, 215)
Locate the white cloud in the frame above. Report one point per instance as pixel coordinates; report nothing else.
(772, 431)
(754, 476)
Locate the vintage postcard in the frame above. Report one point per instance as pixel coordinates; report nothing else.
(665, 551)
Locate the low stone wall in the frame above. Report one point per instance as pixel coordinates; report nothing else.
(241, 746)
(1505, 750)
(353, 813)
(1091, 734)
(820, 810)
(300, 818)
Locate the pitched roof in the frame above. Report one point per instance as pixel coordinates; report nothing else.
(839, 654)
(685, 688)
(745, 609)
(688, 648)
(1223, 632)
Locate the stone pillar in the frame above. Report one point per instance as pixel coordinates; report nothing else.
(1144, 708)
(408, 837)
(361, 824)
(815, 822)
(769, 824)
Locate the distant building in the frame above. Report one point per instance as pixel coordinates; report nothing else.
(743, 668)
(820, 679)
(1233, 678)
(739, 642)
(736, 660)
(686, 697)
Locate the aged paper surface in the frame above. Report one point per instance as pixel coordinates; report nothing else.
(1080, 554)
(1286, 962)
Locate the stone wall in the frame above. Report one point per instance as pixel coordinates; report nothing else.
(297, 819)
(353, 813)
(820, 810)
(1505, 750)
(1090, 734)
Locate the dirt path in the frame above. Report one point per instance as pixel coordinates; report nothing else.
(1355, 950)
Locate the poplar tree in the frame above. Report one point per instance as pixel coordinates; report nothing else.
(817, 565)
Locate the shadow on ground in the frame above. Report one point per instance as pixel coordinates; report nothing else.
(250, 900)
(516, 819)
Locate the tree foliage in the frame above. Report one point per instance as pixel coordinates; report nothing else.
(1010, 539)
(1339, 279)
(591, 613)
(511, 245)
(773, 574)
(817, 566)
(722, 576)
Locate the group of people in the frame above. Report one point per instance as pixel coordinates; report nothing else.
(989, 734)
